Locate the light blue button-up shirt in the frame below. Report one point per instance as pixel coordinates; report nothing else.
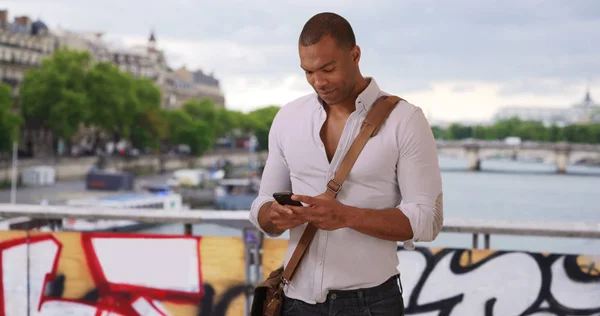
(397, 168)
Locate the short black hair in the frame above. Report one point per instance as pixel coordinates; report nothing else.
(327, 23)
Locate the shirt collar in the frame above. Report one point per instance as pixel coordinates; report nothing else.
(365, 99)
(368, 97)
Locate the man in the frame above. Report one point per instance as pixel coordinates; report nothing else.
(393, 192)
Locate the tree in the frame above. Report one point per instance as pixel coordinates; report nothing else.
(205, 113)
(10, 122)
(53, 96)
(262, 119)
(531, 130)
(459, 131)
(183, 129)
(526, 130)
(438, 132)
(150, 125)
(112, 98)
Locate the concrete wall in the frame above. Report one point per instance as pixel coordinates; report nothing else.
(77, 168)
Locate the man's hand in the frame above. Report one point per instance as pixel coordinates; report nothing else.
(283, 218)
(324, 212)
(275, 218)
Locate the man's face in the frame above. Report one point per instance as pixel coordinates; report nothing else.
(331, 70)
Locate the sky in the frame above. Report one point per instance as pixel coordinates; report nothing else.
(458, 60)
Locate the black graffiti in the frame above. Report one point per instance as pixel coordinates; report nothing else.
(545, 302)
(210, 308)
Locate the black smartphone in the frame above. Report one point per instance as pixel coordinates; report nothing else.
(285, 198)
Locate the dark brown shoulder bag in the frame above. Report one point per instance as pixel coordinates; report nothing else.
(268, 296)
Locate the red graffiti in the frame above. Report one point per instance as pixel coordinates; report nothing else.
(132, 274)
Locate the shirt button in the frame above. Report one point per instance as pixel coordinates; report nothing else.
(319, 262)
(329, 173)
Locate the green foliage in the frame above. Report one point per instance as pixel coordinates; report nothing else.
(204, 112)
(183, 129)
(526, 130)
(149, 125)
(262, 119)
(69, 90)
(9, 121)
(113, 99)
(54, 95)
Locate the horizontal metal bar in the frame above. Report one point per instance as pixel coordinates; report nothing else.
(523, 228)
(236, 218)
(240, 219)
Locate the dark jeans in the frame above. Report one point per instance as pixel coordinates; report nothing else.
(382, 300)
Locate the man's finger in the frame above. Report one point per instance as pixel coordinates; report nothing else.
(283, 209)
(298, 209)
(305, 199)
(308, 214)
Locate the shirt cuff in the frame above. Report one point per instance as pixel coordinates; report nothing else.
(414, 214)
(408, 244)
(255, 208)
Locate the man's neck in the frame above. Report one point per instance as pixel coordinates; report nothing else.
(349, 105)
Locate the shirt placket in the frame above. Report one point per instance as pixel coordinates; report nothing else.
(322, 236)
(319, 240)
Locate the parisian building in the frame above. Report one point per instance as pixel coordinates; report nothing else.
(584, 111)
(23, 45)
(177, 86)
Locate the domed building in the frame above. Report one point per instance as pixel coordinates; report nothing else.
(586, 111)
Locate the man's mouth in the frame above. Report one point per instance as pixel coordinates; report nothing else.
(324, 93)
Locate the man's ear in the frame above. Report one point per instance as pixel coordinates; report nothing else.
(355, 53)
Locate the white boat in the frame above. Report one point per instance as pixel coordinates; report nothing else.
(194, 177)
(163, 201)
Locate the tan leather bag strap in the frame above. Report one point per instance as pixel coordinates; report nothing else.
(377, 115)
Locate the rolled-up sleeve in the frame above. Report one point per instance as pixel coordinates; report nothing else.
(419, 179)
(276, 174)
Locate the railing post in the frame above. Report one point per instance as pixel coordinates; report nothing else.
(253, 244)
(486, 241)
(187, 229)
(475, 240)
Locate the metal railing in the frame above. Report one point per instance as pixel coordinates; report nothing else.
(239, 219)
(252, 237)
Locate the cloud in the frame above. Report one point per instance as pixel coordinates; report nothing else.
(540, 86)
(527, 50)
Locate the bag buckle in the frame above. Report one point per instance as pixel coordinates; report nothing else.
(336, 186)
(284, 280)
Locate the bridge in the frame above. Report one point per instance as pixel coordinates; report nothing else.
(559, 153)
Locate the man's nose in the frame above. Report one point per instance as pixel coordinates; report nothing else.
(319, 81)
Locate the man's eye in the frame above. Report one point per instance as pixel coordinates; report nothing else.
(328, 69)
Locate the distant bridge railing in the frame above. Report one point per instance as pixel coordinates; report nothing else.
(526, 145)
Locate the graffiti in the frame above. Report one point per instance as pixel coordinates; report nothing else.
(111, 274)
(101, 274)
(484, 282)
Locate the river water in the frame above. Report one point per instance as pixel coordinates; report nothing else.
(504, 190)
